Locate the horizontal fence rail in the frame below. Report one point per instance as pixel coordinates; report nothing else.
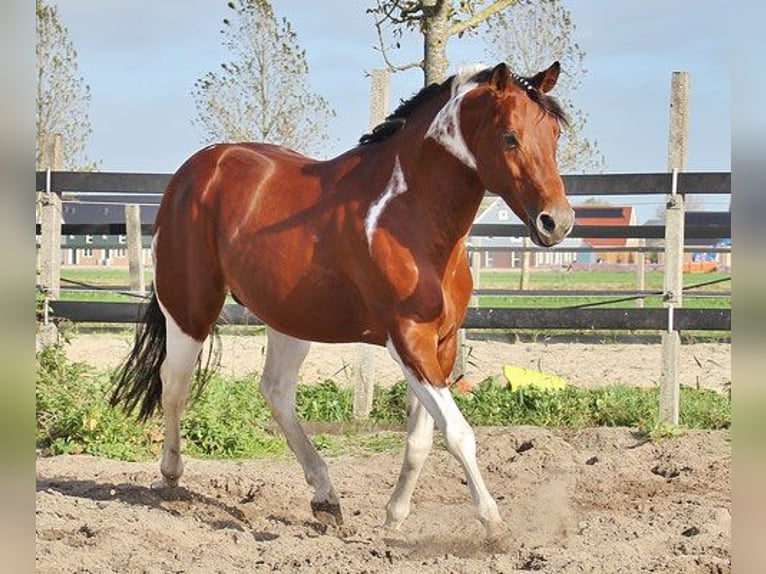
(154, 184)
(593, 184)
(480, 229)
(505, 318)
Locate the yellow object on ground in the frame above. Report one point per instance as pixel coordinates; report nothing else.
(519, 377)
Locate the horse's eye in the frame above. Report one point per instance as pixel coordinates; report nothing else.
(510, 140)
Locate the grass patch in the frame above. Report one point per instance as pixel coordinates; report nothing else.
(232, 420)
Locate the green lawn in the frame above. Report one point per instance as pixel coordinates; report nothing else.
(539, 280)
(593, 281)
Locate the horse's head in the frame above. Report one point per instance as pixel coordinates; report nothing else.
(515, 149)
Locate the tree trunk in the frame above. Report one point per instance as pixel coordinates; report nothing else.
(435, 37)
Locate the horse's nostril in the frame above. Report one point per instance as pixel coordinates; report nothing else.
(546, 223)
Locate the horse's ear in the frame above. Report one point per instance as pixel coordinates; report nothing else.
(500, 77)
(545, 80)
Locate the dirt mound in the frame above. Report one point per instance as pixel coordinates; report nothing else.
(588, 500)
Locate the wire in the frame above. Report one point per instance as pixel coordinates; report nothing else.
(102, 288)
(644, 296)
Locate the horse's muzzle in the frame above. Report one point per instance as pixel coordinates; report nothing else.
(552, 226)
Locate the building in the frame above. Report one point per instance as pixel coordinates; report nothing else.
(604, 216)
(101, 249)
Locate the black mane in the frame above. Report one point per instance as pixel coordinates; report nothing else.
(548, 103)
(394, 122)
(397, 120)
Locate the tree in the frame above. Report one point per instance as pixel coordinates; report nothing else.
(262, 93)
(437, 20)
(63, 97)
(531, 35)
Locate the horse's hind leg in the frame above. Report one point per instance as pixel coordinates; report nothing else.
(284, 356)
(176, 374)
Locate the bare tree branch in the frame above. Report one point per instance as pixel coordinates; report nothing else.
(459, 28)
(384, 51)
(262, 93)
(63, 97)
(528, 37)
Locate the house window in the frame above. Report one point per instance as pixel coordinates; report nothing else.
(88, 252)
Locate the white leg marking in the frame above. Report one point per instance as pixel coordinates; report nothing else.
(420, 431)
(459, 437)
(176, 373)
(284, 356)
(396, 186)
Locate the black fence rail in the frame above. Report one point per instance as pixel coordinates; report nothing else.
(489, 318)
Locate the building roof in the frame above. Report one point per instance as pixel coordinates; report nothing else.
(104, 211)
(604, 215)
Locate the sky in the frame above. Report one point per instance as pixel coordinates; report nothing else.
(142, 57)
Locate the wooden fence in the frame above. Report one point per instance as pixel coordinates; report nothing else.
(54, 185)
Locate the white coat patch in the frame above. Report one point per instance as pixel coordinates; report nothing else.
(395, 186)
(445, 127)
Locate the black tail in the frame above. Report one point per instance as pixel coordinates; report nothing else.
(138, 380)
(138, 383)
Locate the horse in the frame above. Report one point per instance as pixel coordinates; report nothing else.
(366, 247)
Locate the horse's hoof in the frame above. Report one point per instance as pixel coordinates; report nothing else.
(391, 525)
(498, 534)
(165, 483)
(327, 513)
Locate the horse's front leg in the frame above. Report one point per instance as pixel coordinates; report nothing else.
(415, 350)
(420, 430)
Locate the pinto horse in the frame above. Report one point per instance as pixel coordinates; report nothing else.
(367, 247)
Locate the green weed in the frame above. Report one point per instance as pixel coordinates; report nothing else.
(232, 420)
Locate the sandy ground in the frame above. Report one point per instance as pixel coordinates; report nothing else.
(707, 365)
(598, 500)
(590, 500)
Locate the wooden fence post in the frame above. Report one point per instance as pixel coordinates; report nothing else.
(526, 257)
(461, 359)
(50, 225)
(364, 373)
(641, 271)
(49, 255)
(135, 249)
(670, 392)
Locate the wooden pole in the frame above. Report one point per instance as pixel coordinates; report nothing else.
(50, 225)
(50, 239)
(526, 257)
(641, 272)
(475, 260)
(364, 373)
(670, 392)
(461, 359)
(135, 249)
